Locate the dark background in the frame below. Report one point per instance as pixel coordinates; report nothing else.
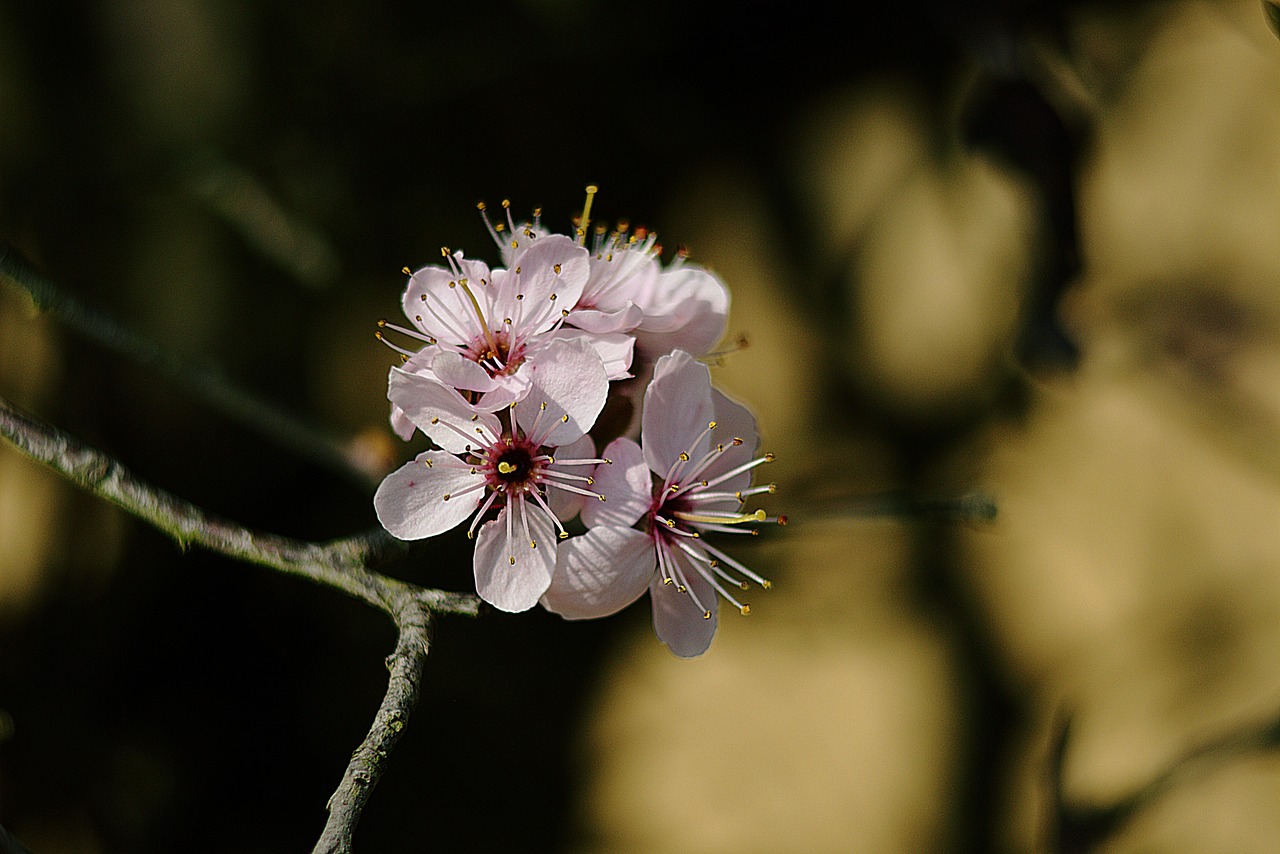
(241, 183)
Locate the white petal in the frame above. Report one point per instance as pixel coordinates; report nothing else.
(441, 413)
(570, 379)
(622, 319)
(446, 313)
(552, 273)
(600, 573)
(733, 420)
(688, 313)
(627, 487)
(678, 622)
(454, 369)
(411, 502)
(614, 349)
(677, 408)
(400, 423)
(518, 586)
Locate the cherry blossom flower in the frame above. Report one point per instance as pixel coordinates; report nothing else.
(481, 327)
(485, 464)
(682, 482)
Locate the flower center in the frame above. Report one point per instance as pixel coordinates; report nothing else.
(496, 353)
(692, 500)
(514, 465)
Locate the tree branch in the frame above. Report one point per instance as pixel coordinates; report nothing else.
(368, 762)
(341, 564)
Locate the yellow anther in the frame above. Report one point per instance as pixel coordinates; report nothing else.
(506, 203)
(737, 441)
(564, 535)
(668, 582)
(429, 463)
(602, 498)
(564, 419)
(542, 406)
(711, 426)
(706, 615)
(608, 462)
(444, 251)
(744, 585)
(512, 559)
(766, 584)
(768, 458)
(406, 271)
(684, 458)
(480, 206)
(505, 467)
(532, 544)
(435, 420)
(556, 267)
(681, 589)
(591, 481)
(746, 610)
(447, 496)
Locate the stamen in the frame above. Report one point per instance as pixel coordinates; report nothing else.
(402, 351)
(724, 558)
(684, 585)
(561, 532)
(710, 578)
(412, 333)
(592, 189)
(767, 458)
(475, 520)
(510, 551)
(714, 518)
(684, 457)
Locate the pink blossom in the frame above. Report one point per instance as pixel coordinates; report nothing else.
(484, 463)
(682, 482)
(480, 328)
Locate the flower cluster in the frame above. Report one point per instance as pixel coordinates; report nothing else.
(514, 367)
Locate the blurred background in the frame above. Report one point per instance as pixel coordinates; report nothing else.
(1016, 249)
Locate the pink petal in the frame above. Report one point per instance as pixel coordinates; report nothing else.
(677, 407)
(455, 370)
(622, 319)
(678, 622)
(570, 379)
(614, 349)
(626, 485)
(446, 314)
(688, 312)
(552, 273)
(600, 573)
(733, 420)
(425, 401)
(411, 501)
(515, 587)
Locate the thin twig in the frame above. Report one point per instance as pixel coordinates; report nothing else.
(367, 763)
(341, 564)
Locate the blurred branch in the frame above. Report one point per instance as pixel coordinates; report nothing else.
(1078, 830)
(208, 386)
(341, 564)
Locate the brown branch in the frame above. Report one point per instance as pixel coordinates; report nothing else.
(341, 564)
